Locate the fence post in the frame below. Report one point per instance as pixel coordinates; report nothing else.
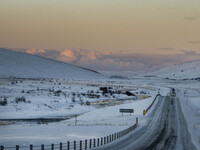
(60, 146)
(110, 138)
(85, 144)
(80, 145)
(136, 120)
(94, 142)
(52, 146)
(2, 148)
(104, 140)
(17, 147)
(90, 143)
(31, 147)
(101, 141)
(74, 145)
(107, 140)
(68, 145)
(98, 142)
(42, 147)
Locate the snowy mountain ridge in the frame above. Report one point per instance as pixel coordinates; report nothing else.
(187, 70)
(22, 65)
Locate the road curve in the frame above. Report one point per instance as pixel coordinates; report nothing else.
(166, 130)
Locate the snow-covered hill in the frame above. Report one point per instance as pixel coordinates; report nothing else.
(187, 70)
(21, 65)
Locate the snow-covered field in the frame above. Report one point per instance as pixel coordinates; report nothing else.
(53, 98)
(187, 70)
(190, 98)
(94, 121)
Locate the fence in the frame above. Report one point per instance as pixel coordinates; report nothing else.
(77, 145)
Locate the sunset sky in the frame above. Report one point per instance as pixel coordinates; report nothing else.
(136, 35)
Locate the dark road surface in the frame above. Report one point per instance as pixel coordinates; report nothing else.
(167, 130)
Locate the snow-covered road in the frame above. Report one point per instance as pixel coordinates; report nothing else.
(167, 130)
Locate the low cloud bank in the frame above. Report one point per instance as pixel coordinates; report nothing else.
(109, 61)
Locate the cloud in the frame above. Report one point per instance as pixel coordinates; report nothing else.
(193, 42)
(110, 61)
(190, 18)
(67, 56)
(35, 51)
(189, 52)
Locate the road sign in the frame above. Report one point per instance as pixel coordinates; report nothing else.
(126, 111)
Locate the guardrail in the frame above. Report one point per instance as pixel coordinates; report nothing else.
(151, 103)
(77, 145)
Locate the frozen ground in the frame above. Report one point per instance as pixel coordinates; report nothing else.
(94, 121)
(98, 121)
(59, 98)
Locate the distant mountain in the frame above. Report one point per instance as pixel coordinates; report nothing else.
(187, 70)
(22, 65)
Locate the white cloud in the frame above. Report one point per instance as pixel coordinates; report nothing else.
(35, 51)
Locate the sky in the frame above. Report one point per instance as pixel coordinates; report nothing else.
(135, 35)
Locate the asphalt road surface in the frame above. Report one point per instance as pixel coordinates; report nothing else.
(166, 130)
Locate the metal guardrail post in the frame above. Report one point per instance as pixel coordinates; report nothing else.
(60, 146)
(42, 147)
(85, 144)
(94, 140)
(98, 142)
(80, 145)
(17, 147)
(68, 145)
(31, 147)
(90, 143)
(74, 145)
(52, 146)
